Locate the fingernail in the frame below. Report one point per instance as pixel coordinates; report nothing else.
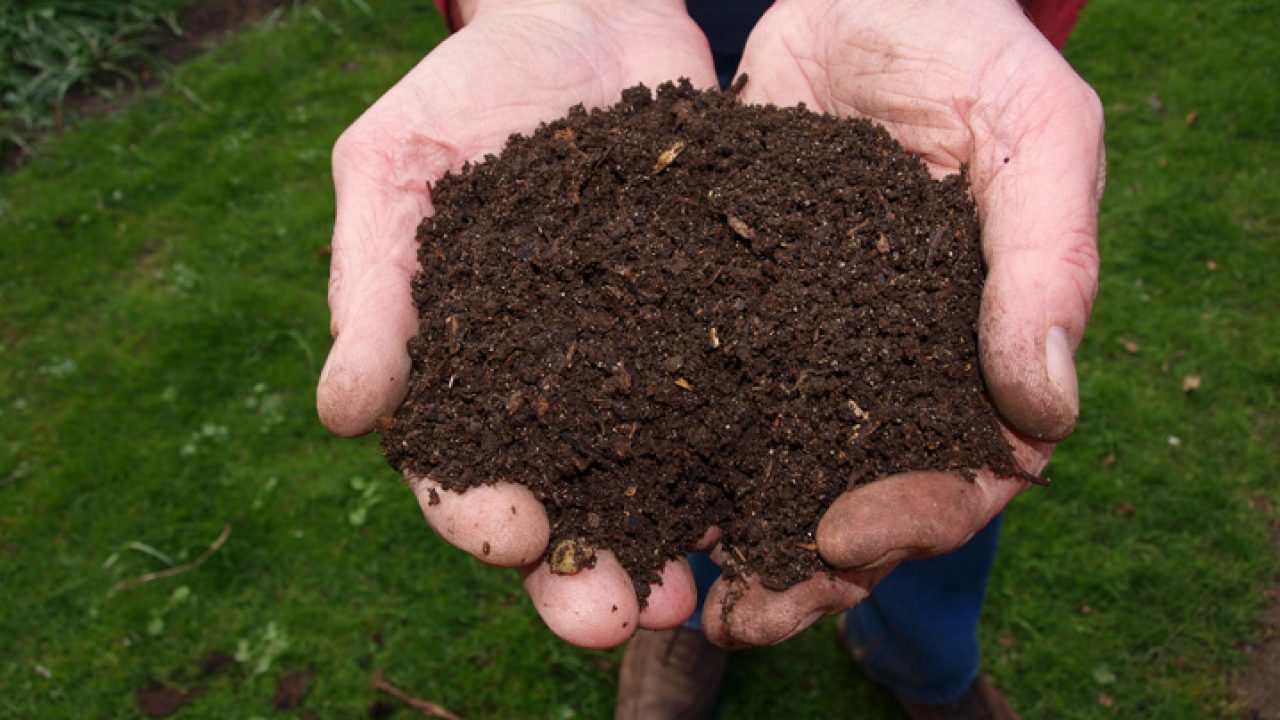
(1042, 463)
(893, 557)
(1060, 363)
(804, 624)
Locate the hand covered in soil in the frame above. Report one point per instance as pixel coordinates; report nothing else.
(956, 83)
(514, 65)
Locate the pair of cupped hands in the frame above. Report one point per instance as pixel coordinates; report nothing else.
(955, 81)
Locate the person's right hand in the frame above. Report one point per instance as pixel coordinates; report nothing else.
(516, 63)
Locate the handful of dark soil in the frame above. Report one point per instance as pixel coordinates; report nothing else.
(682, 312)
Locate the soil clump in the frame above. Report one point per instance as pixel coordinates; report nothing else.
(681, 312)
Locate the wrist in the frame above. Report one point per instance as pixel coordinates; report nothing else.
(459, 13)
(1055, 19)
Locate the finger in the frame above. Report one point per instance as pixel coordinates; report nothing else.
(1038, 172)
(672, 601)
(373, 258)
(755, 615)
(708, 540)
(501, 524)
(910, 516)
(595, 608)
(366, 373)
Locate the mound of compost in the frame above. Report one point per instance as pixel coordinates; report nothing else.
(681, 312)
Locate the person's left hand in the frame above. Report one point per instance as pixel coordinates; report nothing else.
(956, 82)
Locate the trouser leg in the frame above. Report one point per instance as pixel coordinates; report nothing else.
(918, 632)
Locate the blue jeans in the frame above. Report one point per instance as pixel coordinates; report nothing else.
(917, 633)
(726, 25)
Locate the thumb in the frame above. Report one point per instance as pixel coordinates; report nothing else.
(374, 257)
(1039, 212)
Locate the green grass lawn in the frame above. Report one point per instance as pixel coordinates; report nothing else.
(162, 279)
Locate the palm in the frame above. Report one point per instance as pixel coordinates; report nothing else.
(504, 73)
(1008, 107)
(942, 81)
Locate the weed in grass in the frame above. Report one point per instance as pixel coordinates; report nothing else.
(260, 652)
(50, 47)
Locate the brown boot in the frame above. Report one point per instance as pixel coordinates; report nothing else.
(982, 701)
(670, 675)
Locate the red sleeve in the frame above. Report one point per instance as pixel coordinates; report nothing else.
(1054, 18)
(449, 11)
